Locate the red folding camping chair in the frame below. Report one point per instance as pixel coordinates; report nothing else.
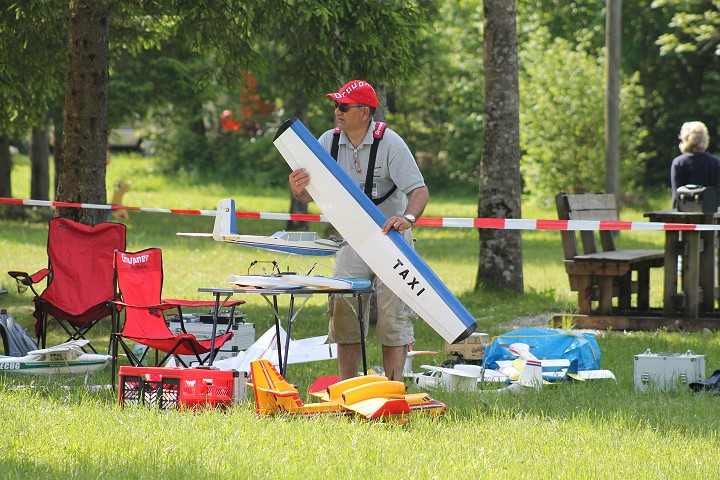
(139, 281)
(79, 289)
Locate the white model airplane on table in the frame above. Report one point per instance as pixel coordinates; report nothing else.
(292, 282)
(293, 243)
(67, 358)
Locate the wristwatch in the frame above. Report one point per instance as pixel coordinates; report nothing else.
(410, 217)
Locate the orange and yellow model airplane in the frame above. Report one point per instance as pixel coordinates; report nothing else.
(372, 396)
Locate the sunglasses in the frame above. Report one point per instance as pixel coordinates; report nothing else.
(343, 107)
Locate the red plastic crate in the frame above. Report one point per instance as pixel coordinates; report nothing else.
(174, 387)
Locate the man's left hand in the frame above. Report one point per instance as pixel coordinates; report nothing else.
(398, 223)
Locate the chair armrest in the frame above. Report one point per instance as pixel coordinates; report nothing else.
(200, 303)
(27, 279)
(158, 306)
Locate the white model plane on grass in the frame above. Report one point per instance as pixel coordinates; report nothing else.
(553, 369)
(311, 349)
(293, 243)
(524, 372)
(467, 377)
(67, 358)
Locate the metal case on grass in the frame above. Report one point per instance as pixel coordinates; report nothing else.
(243, 336)
(667, 371)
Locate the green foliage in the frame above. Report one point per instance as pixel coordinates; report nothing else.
(253, 159)
(439, 112)
(694, 26)
(581, 22)
(562, 120)
(32, 61)
(316, 48)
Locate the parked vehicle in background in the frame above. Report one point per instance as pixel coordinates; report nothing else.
(130, 139)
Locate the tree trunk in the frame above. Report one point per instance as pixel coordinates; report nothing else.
(613, 30)
(81, 177)
(7, 211)
(381, 92)
(39, 164)
(500, 258)
(5, 167)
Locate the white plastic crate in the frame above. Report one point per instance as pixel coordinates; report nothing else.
(667, 371)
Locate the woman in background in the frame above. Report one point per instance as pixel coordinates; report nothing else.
(695, 166)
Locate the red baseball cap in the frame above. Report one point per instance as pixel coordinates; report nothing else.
(358, 91)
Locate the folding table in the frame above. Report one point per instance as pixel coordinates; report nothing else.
(271, 297)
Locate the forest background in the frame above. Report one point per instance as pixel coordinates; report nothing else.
(174, 94)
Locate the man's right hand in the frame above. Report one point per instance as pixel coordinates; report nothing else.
(298, 180)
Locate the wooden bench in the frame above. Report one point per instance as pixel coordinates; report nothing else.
(601, 275)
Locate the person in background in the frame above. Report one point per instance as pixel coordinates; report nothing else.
(695, 166)
(398, 189)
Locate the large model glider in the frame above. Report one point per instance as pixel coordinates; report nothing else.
(67, 358)
(303, 350)
(359, 221)
(293, 243)
(371, 396)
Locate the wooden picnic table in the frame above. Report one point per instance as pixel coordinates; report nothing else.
(697, 276)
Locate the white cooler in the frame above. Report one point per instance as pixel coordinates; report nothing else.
(243, 336)
(667, 371)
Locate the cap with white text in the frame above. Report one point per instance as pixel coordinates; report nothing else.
(358, 91)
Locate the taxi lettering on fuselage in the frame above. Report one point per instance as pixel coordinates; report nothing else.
(411, 280)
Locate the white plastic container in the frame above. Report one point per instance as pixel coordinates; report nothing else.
(667, 371)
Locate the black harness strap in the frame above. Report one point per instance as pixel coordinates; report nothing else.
(377, 135)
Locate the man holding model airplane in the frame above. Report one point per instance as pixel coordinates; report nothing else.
(380, 162)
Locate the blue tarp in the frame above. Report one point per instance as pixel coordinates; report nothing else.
(547, 344)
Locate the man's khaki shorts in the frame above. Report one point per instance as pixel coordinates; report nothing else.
(394, 323)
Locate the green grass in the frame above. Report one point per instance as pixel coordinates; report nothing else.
(54, 428)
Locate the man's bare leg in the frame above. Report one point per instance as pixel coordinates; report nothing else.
(393, 361)
(349, 355)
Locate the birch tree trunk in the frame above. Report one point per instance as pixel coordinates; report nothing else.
(500, 257)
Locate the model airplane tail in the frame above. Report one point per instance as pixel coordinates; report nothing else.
(360, 222)
(531, 375)
(225, 223)
(531, 378)
(272, 392)
(293, 243)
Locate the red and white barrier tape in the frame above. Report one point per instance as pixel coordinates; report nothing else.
(453, 222)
